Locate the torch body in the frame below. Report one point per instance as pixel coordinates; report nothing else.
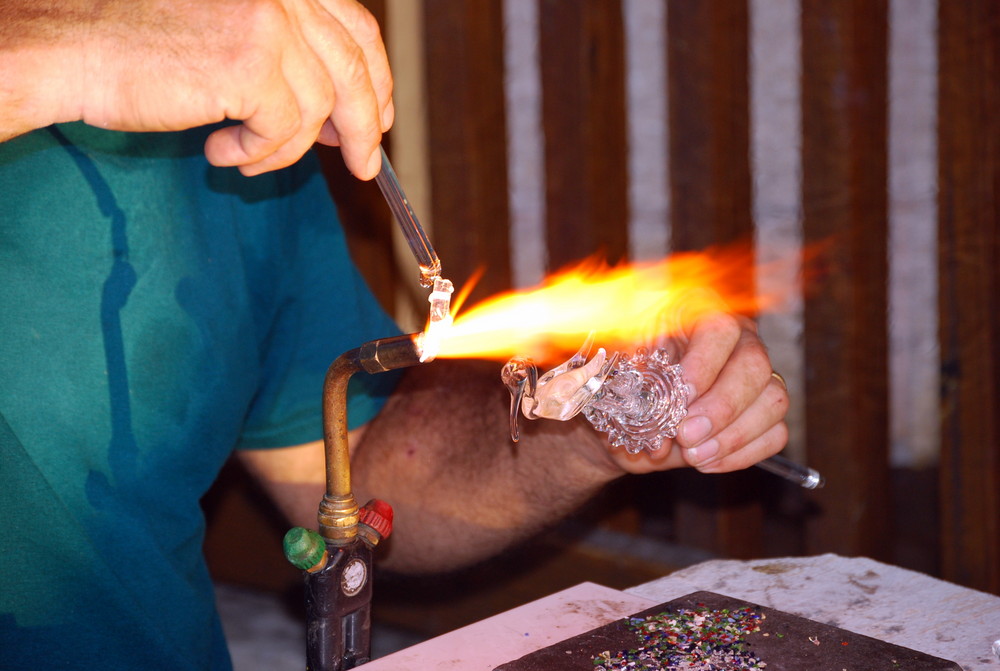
(337, 561)
(338, 609)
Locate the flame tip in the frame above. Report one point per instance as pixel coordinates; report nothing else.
(627, 304)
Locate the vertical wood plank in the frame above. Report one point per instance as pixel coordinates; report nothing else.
(844, 98)
(969, 249)
(709, 101)
(467, 140)
(583, 116)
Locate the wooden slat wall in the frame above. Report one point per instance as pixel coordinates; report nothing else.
(468, 163)
(969, 299)
(708, 97)
(844, 103)
(844, 155)
(582, 72)
(583, 116)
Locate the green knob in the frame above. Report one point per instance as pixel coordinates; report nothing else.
(304, 548)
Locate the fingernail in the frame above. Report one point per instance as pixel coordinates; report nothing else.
(704, 452)
(696, 429)
(388, 116)
(375, 162)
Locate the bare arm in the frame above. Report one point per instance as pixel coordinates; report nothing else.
(462, 491)
(440, 452)
(292, 71)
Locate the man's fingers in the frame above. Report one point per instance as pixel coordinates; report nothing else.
(364, 30)
(314, 97)
(262, 132)
(755, 434)
(735, 389)
(767, 444)
(325, 91)
(356, 120)
(667, 457)
(708, 349)
(356, 116)
(712, 347)
(733, 404)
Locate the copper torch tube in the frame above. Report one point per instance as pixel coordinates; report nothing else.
(338, 511)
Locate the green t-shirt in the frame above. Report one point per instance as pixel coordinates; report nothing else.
(156, 314)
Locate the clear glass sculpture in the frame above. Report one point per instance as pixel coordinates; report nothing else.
(641, 403)
(638, 401)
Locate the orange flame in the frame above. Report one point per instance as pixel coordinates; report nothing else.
(624, 306)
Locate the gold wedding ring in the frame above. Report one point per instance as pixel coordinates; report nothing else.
(781, 380)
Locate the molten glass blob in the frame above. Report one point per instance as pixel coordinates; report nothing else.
(440, 319)
(638, 401)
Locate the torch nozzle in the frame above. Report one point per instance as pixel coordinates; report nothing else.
(378, 356)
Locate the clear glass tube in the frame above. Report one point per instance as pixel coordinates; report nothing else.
(792, 471)
(420, 244)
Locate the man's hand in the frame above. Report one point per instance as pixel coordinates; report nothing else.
(736, 411)
(294, 72)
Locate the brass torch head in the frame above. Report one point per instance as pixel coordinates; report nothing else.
(338, 515)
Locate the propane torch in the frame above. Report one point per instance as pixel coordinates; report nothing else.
(337, 560)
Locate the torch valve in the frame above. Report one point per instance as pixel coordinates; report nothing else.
(305, 549)
(376, 521)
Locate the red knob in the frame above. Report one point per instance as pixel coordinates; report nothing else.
(377, 514)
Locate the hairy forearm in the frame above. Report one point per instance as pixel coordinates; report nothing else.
(41, 52)
(292, 72)
(118, 64)
(441, 454)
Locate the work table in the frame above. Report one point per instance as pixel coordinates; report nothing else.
(854, 593)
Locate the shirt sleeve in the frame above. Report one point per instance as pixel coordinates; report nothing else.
(316, 307)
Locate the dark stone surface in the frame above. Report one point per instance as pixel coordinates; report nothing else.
(785, 642)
